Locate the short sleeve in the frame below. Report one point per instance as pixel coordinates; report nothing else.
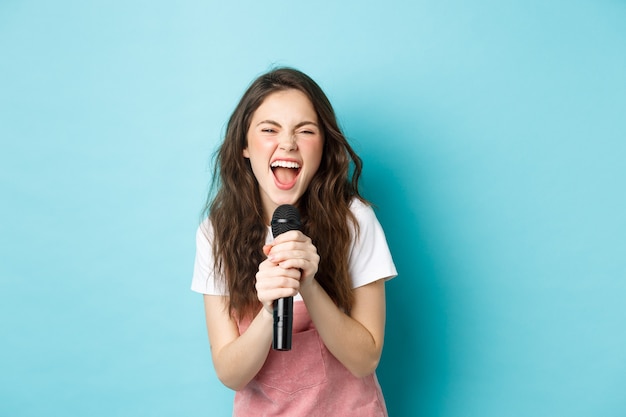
(370, 259)
(204, 278)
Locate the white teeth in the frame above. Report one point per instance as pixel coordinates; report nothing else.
(285, 164)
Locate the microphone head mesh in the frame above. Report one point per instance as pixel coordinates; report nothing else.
(284, 219)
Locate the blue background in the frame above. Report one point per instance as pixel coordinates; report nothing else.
(494, 141)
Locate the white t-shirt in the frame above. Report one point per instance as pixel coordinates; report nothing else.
(369, 257)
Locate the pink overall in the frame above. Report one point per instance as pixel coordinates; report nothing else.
(307, 381)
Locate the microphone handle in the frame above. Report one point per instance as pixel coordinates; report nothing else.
(283, 323)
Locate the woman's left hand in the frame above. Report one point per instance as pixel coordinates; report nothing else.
(294, 249)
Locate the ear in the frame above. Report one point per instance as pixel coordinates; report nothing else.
(246, 154)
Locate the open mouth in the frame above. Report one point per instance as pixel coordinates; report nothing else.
(285, 172)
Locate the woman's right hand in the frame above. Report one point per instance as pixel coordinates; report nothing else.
(274, 282)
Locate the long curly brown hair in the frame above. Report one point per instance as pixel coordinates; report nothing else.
(236, 212)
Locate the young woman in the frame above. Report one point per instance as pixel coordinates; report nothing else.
(283, 146)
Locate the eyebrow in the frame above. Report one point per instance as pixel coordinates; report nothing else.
(303, 123)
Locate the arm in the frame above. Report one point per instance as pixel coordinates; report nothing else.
(236, 358)
(355, 340)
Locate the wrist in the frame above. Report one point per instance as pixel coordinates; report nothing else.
(267, 313)
(306, 289)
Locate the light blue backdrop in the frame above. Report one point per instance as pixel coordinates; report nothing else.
(494, 140)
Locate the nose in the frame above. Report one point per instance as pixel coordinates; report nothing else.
(288, 143)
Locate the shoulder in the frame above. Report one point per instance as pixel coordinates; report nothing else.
(206, 279)
(362, 211)
(369, 256)
(357, 205)
(204, 233)
(366, 220)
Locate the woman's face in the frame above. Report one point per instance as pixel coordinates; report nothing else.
(285, 145)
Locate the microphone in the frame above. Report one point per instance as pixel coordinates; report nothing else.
(286, 217)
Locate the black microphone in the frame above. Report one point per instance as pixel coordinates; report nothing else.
(285, 218)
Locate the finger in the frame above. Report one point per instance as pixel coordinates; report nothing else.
(292, 235)
(267, 264)
(304, 245)
(277, 277)
(269, 296)
(272, 287)
(306, 270)
(280, 255)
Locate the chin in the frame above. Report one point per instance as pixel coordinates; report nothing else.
(287, 199)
